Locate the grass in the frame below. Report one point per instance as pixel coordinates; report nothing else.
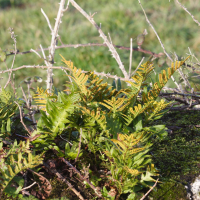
(123, 20)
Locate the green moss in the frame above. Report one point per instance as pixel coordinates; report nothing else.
(177, 156)
(169, 191)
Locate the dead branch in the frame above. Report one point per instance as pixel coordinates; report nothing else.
(150, 190)
(54, 33)
(54, 171)
(90, 45)
(96, 190)
(21, 119)
(108, 75)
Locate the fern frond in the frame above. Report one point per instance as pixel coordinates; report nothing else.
(141, 75)
(133, 172)
(58, 113)
(90, 85)
(163, 77)
(41, 97)
(8, 108)
(126, 143)
(14, 162)
(115, 105)
(155, 109)
(138, 109)
(98, 116)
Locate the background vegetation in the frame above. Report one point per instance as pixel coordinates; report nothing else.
(122, 19)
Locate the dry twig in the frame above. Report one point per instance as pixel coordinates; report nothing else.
(150, 190)
(96, 189)
(54, 171)
(184, 8)
(21, 119)
(13, 36)
(178, 86)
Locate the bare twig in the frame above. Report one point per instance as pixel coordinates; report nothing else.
(138, 66)
(29, 186)
(108, 75)
(44, 56)
(21, 119)
(156, 55)
(178, 86)
(155, 32)
(54, 33)
(184, 8)
(64, 180)
(96, 189)
(48, 22)
(177, 93)
(66, 7)
(103, 36)
(183, 76)
(45, 181)
(90, 45)
(66, 140)
(24, 95)
(13, 36)
(150, 190)
(35, 51)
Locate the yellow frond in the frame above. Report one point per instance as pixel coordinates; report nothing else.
(127, 143)
(134, 172)
(42, 96)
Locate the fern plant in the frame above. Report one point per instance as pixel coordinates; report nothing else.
(110, 122)
(18, 158)
(129, 164)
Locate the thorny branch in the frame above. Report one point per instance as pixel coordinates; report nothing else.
(184, 8)
(103, 36)
(91, 45)
(54, 33)
(181, 74)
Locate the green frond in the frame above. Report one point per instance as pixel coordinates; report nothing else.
(90, 86)
(138, 109)
(58, 113)
(8, 108)
(14, 162)
(120, 144)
